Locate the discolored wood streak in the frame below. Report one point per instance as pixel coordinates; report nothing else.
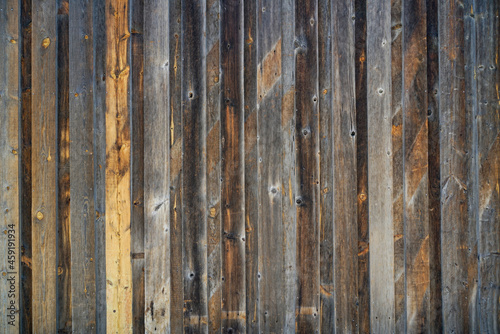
(44, 169)
(416, 181)
(232, 168)
(157, 234)
(307, 200)
(118, 261)
(9, 172)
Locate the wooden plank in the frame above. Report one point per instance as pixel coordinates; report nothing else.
(64, 298)
(290, 285)
(378, 52)
(325, 77)
(232, 168)
(44, 158)
(10, 161)
(99, 97)
(416, 181)
(118, 210)
(176, 132)
(137, 109)
(270, 236)
(25, 185)
(488, 161)
(194, 182)
(213, 166)
(307, 165)
(251, 46)
(397, 164)
(345, 172)
(361, 70)
(81, 163)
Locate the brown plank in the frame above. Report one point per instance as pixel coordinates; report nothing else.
(232, 168)
(194, 183)
(345, 171)
(81, 164)
(380, 182)
(118, 201)
(488, 161)
(10, 161)
(44, 158)
(416, 181)
(307, 199)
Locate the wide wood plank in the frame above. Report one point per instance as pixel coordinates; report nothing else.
(44, 172)
(118, 200)
(10, 161)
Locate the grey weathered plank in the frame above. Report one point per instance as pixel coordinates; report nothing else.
(232, 167)
(345, 170)
(194, 183)
(10, 12)
(44, 158)
(81, 164)
(307, 166)
(156, 170)
(380, 181)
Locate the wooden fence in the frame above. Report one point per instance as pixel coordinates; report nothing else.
(249, 166)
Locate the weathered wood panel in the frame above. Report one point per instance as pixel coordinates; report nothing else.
(250, 166)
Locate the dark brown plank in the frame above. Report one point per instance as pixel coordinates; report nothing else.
(488, 161)
(232, 168)
(380, 181)
(416, 181)
(307, 166)
(81, 163)
(44, 158)
(345, 171)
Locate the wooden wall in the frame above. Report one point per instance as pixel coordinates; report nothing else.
(257, 166)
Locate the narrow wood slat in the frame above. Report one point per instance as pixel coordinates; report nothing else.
(416, 180)
(10, 160)
(380, 182)
(488, 161)
(81, 164)
(118, 200)
(44, 158)
(307, 166)
(345, 172)
(156, 170)
(232, 167)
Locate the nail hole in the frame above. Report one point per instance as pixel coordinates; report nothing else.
(353, 133)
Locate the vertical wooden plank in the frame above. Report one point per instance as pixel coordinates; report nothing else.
(416, 182)
(436, 315)
(176, 271)
(252, 249)
(488, 161)
(10, 13)
(81, 156)
(325, 76)
(194, 166)
(360, 59)
(307, 165)
(44, 158)
(99, 97)
(118, 259)
(270, 257)
(25, 184)
(156, 171)
(454, 168)
(288, 161)
(345, 172)
(397, 164)
(378, 51)
(232, 168)
(213, 166)
(137, 159)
